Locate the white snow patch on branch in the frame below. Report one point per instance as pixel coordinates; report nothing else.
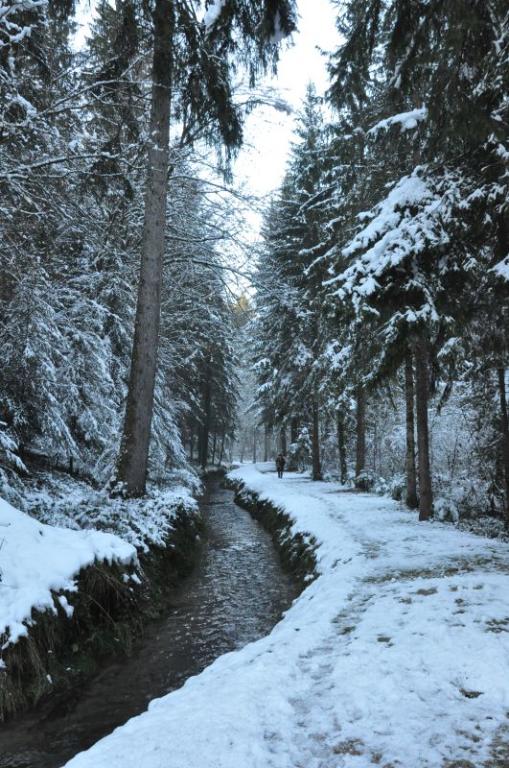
(407, 121)
(502, 268)
(402, 226)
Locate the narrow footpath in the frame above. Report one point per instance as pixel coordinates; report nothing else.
(397, 655)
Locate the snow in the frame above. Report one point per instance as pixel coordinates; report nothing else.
(407, 121)
(396, 654)
(502, 268)
(143, 523)
(213, 12)
(403, 225)
(37, 560)
(71, 526)
(409, 191)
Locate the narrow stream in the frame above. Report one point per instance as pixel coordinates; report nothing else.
(236, 594)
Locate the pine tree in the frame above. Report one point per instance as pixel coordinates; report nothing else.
(289, 308)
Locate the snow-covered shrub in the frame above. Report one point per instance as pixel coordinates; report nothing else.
(446, 510)
(397, 487)
(381, 486)
(365, 480)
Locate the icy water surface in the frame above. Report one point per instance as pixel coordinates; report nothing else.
(236, 594)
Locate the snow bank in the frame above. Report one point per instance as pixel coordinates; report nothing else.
(395, 655)
(37, 559)
(144, 523)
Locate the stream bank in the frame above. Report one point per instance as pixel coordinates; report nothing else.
(235, 594)
(101, 618)
(296, 549)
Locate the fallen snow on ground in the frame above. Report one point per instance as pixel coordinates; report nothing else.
(37, 559)
(396, 655)
(144, 523)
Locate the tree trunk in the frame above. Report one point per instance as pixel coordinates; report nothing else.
(266, 439)
(375, 446)
(191, 443)
(205, 430)
(315, 443)
(254, 445)
(292, 465)
(340, 431)
(421, 392)
(411, 477)
(284, 446)
(505, 436)
(132, 462)
(221, 452)
(214, 446)
(360, 452)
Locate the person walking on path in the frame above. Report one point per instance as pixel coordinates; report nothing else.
(280, 464)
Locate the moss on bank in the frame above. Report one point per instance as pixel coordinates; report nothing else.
(296, 549)
(109, 610)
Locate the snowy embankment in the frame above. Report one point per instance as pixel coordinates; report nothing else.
(396, 655)
(145, 523)
(39, 561)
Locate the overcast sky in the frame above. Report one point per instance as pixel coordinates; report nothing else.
(268, 132)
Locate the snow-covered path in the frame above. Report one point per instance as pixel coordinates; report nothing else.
(396, 655)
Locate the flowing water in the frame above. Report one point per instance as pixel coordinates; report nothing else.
(236, 593)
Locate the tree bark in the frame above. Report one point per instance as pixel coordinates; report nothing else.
(315, 443)
(284, 446)
(360, 451)
(340, 431)
(292, 465)
(266, 439)
(205, 430)
(505, 436)
(422, 393)
(411, 476)
(132, 462)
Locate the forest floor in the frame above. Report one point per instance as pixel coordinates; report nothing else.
(397, 654)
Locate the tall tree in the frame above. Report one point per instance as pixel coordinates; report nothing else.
(410, 470)
(289, 307)
(204, 63)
